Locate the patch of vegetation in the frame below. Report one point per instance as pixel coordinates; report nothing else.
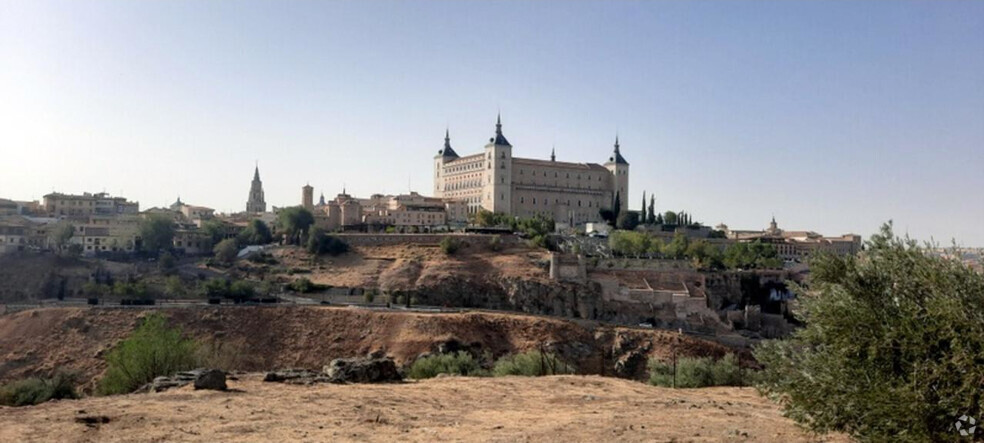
(305, 286)
(157, 233)
(293, 222)
(892, 349)
(226, 251)
(450, 245)
(321, 243)
(257, 233)
(36, 390)
(532, 364)
(458, 363)
(152, 350)
(696, 372)
(263, 258)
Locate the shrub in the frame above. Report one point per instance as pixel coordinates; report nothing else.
(32, 391)
(302, 285)
(369, 295)
(226, 251)
(321, 243)
(215, 288)
(241, 289)
(892, 346)
(696, 372)
(495, 244)
(531, 363)
(151, 350)
(450, 245)
(458, 363)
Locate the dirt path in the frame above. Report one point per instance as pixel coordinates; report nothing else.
(513, 409)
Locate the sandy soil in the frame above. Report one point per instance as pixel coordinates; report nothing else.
(514, 409)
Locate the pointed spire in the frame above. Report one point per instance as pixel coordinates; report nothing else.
(499, 138)
(256, 172)
(617, 156)
(553, 153)
(448, 152)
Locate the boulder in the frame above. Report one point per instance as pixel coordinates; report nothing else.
(356, 370)
(213, 379)
(291, 375)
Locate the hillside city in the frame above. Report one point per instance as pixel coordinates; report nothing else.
(721, 221)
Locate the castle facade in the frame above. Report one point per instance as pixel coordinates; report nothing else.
(495, 180)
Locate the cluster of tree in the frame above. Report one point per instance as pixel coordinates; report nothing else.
(704, 254)
(892, 346)
(137, 289)
(293, 223)
(536, 228)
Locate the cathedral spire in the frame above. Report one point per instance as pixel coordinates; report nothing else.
(553, 153)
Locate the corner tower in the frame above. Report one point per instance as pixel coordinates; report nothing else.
(619, 169)
(497, 189)
(443, 156)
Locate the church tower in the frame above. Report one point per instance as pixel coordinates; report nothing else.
(619, 168)
(256, 204)
(497, 189)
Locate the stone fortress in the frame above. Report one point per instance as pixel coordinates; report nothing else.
(495, 180)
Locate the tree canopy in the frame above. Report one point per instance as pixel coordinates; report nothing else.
(893, 347)
(294, 221)
(256, 233)
(156, 233)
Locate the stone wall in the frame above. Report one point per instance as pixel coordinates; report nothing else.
(421, 239)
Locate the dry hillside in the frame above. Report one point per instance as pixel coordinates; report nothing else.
(263, 338)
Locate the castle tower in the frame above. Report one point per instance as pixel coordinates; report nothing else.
(256, 204)
(497, 192)
(619, 168)
(307, 197)
(443, 156)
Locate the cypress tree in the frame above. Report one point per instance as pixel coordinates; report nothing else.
(617, 206)
(642, 213)
(652, 209)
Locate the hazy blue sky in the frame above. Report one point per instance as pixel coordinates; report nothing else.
(834, 116)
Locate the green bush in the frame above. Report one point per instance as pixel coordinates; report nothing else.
(450, 246)
(226, 251)
(531, 363)
(321, 243)
(305, 286)
(459, 363)
(152, 350)
(32, 391)
(696, 372)
(892, 349)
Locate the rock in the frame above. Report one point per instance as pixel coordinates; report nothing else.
(379, 353)
(213, 379)
(354, 370)
(285, 375)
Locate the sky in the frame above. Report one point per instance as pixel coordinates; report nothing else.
(832, 116)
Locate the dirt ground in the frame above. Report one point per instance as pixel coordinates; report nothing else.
(512, 409)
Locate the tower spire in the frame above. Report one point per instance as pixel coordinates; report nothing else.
(499, 138)
(553, 153)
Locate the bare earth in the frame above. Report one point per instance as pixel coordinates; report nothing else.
(513, 409)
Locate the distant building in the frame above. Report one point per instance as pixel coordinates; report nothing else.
(81, 206)
(256, 203)
(792, 245)
(414, 210)
(494, 180)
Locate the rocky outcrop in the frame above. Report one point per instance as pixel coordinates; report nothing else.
(201, 378)
(362, 370)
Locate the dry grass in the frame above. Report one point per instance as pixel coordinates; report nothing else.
(511, 409)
